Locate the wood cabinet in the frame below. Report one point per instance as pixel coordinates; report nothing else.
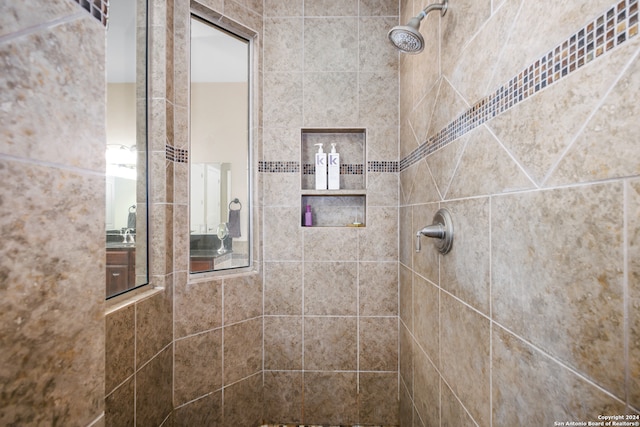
(121, 270)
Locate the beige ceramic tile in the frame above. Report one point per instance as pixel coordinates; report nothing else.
(242, 298)
(281, 144)
(407, 236)
(572, 398)
(452, 412)
(378, 400)
(331, 244)
(444, 163)
(378, 288)
(330, 343)
(282, 234)
(283, 288)
(407, 356)
(376, 54)
(283, 342)
(243, 402)
(18, 16)
(330, 288)
(606, 148)
(283, 48)
(119, 405)
(283, 7)
(153, 388)
(282, 397)
(282, 105)
(202, 412)
(197, 366)
(563, 294)
(242, 350)
(424, 189)
(378, 241)
(378, 344)
(330, 44)
(426, 388)
(331, 8)
(198, 306)
(465, 270)
(425, 262)
(119, 346)
(382, 189)
(281, 189)
(633, 307)
(420, 114)
(330, 398)
(425, 67)
(375, 95)
(378, 8)
(426, 319)
(154, 331)
(406, 408)
(465, 356)
(406, 297)
(330, 99)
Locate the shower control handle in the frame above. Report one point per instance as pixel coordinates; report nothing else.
(441, 230)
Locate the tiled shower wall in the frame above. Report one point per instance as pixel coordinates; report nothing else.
(533, 316)
(330, 293)
(51, 180)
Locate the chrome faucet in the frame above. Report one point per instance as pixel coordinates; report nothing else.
(128, 236)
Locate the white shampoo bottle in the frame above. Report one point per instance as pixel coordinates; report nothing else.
(334, 168)
(321, 169)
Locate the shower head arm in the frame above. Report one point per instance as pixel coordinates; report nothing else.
(442, 7)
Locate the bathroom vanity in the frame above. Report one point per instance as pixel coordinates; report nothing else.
(121, 267)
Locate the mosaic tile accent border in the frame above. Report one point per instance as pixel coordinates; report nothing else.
(609, 30)
(99, 9)
(177, 155)
(345, 169)
(278, 167)
(377, 166)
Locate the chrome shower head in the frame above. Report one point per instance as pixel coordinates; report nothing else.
(407, 38)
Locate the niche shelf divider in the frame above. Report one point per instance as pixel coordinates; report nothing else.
(347, 206)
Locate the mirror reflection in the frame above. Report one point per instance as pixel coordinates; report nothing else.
(219, 149)
(126, 190)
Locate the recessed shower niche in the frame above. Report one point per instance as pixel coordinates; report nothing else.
(346, 206)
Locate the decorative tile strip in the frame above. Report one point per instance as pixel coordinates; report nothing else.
(345, 169)
(99, 9)
(177, 155)
(278, 167)
(609, 30)
(380, 166)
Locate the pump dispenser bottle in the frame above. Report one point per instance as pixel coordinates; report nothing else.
(334, 168)
(321, 168)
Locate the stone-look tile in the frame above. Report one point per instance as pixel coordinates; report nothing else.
(480, 53)
(330, 398)
(197, 366)
(426, 385)
(41, 127)
(202, 412)
(283, 343)
(330, 343)
(426, 317)
(382, 143)
(379, 239)
(330, 99)
(162, 241)
(119, 346)
(378, 344)
(242, 298)
(407, 355)
(282, 234)
(330, 244)
(406, 408)
(281, 144)
(452, 412)
(160, 113)
(119, 405)
(283, 7)
(198, 306)
(330, 44)
(153, 389)
(538, 130)
(425, 68)
(633, 303)
(424, 189)
(378, 401)
(283, 44)
(465, 270)
(419, 116)
(283, 288)
(564, 295)
(378, 288)
(242, 350)
(181, 237)
(378, 8)
(425, 262)
(154, 330)
(243, 402)
(606, 147)
(538, 29)
(553, 392)
(374, 95)
(281, 189)
(486, 168)
(450, 105)
(331, 288)
(282, 105)
(331, 8)
(407, 236)
(282, 397)
(444, 163)
(19, 16)
(406, 297)
(382, 189)
(157, 66)
(247, 18)
(52, 307)
(465, 356)
(376, 54)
